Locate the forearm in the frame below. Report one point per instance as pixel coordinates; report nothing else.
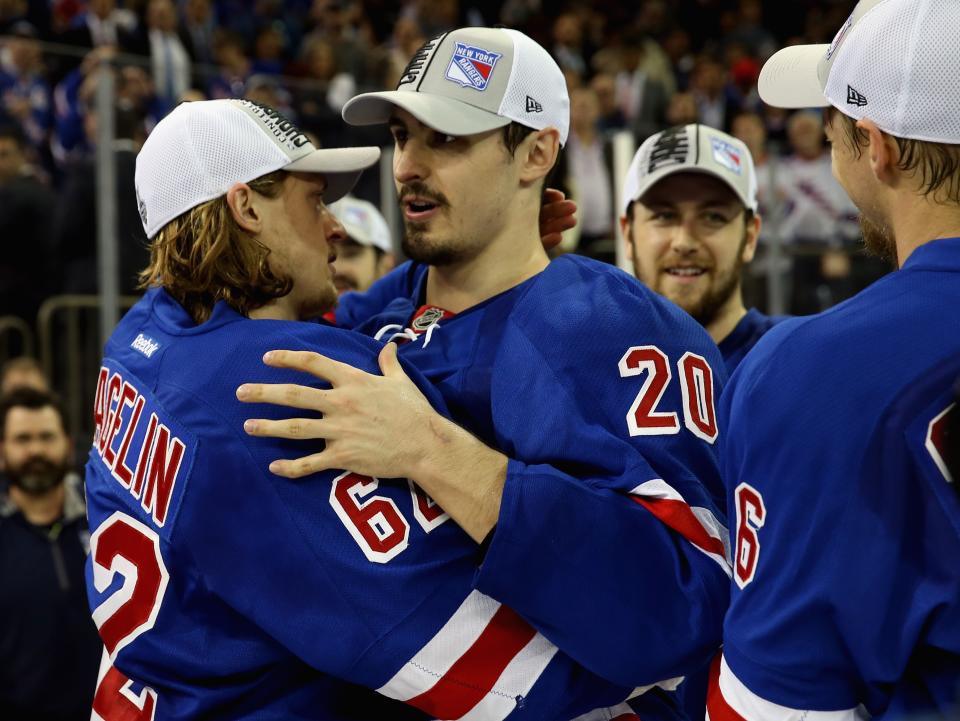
(462, 474)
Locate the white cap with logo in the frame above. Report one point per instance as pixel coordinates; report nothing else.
(692, 148)
(472, 80)
(893, 61)
(201, 149)
(363, 222)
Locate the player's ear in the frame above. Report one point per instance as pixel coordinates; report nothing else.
(625, 232)
(751, 236)
(882, 152)
(243, 207)
(539, 154)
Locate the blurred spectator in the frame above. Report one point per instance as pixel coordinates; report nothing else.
(587, 165)
(682, 109)
(331, 22)
(169, 59)
(22, 372)
(642, 98)
(101, 24)
(76, 225)
(682, 60)
(234, 66)
(268, 50)
(708, 86)
(321, 99)
(135, 92)
(49, 646)
(25, 225)
(749, 128)
(817, 208)
(24, 92)
(749, 30)
(367, 253)
(406, 39)
(197, 27)
(611, 116)
(568, 44)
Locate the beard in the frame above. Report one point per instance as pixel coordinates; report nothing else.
(703, 308)
(37, 476)
(415, 242)
(878, 240)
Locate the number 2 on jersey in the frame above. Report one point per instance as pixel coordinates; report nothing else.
(696, 386)
(123, 545)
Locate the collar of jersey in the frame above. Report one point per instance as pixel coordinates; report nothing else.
(941, 254)
(173, 319)
(420, 292)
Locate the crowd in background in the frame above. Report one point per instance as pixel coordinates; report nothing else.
(638, 67)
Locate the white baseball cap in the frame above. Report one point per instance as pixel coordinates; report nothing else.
(201, 149)
(692, 148)
(893, 61)
(363, 222)
(472, 80)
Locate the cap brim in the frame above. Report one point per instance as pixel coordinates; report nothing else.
(340, 166)
(667, 172)
(789, 78)
(446, 115)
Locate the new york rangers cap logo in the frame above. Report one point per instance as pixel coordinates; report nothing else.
(471, 67)
(727, 155)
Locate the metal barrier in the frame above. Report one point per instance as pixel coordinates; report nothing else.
(70, 352)
(16, 338)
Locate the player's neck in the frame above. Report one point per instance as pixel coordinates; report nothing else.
(39, 510)
(506, 261)
(727, 317)
(919, 221)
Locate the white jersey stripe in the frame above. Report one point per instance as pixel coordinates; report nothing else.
(516, 680)
(658, 488)
(751, 707)
(451, 642)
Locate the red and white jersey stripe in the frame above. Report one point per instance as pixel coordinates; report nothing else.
(476, 667)
(697, 525)
(728, 699)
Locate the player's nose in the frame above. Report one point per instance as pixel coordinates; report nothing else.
(409, 163)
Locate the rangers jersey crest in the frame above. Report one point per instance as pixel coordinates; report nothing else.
(471, 67)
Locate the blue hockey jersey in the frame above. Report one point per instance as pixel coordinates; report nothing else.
(602, 393)
(744, 336)
(844, 515)
(225, 592)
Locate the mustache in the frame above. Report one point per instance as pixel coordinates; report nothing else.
(421, 190)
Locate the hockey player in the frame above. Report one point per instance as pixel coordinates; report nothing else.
(221, 592)
(596, 512)
(691, 224)
(844, 514)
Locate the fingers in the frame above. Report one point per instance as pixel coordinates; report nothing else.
(285, 394)
(560, 209)
(552, 195)
(389, 365)
(297, 429)
(300, 467)
(312, 363)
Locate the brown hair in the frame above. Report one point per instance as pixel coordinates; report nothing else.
(32, 399)
(937, 165)
(203, 256)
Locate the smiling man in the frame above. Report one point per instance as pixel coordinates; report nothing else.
(366, 254)
(691, 225)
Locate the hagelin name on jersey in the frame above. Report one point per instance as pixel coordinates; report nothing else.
(283, 130)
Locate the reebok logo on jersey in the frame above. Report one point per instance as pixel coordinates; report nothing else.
(533, 106)
(145, 345)
(855, 98)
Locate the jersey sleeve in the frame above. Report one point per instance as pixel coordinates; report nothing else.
(354, 308)
(607, 542)
(845, 546)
